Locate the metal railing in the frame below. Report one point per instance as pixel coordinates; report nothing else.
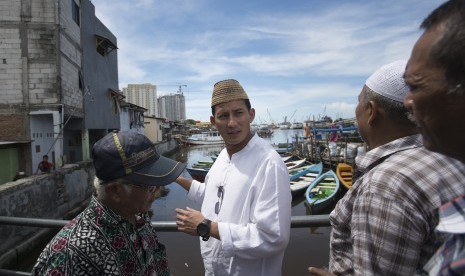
(162, 226)
(166, 226)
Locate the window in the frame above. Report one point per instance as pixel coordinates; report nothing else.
(76, 11)
(103, 45)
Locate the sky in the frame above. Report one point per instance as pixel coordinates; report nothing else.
(296, 59)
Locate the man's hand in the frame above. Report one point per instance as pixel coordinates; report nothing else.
(188, 219)
(318, 272)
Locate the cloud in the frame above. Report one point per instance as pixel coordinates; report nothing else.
(302, 57)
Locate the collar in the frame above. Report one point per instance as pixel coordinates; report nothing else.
(407, 142)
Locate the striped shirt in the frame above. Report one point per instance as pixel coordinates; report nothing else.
(450, 258)
(385, 223)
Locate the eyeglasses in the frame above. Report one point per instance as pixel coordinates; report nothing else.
(220, 200)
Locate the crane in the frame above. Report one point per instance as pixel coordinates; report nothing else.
(180, 88)
(271, 118)
(290, 118)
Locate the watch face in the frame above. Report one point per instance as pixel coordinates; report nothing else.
(203, 229)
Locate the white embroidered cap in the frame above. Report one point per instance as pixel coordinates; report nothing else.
(388, 81)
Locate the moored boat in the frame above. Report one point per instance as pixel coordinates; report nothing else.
(322, 191)
(212, 137)
(302, 179)
(344, 172)
(294, 163)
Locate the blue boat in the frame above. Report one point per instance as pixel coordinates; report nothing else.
(302, 179)
(322, 192)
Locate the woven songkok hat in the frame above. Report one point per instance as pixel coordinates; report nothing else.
(227, 91)
(388, 81)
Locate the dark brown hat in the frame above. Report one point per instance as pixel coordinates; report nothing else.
(132, 156)
(227, 91)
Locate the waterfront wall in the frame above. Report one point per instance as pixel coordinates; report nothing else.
(51, 196)
(61, 194)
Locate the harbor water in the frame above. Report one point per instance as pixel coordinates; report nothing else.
(307, 246)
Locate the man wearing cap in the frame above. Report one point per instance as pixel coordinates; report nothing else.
(113, 235)
(244, 223)
(385, 224)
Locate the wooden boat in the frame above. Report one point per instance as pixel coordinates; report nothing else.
(198, 173)
(302, 179)
(205, 138)
(344, 173)
(294, 163)
(199, 170)
(322, 191)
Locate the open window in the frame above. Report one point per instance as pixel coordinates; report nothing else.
(103, 45)
(116, 97)
(76, 11)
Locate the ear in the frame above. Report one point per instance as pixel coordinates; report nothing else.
(373, 112)
(212, 120)
(252, 114)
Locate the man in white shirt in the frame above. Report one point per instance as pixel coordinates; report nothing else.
(244, 223)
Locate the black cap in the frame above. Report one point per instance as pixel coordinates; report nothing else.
(132, 156)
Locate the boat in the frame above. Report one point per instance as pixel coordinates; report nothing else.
(294, 163)
(284, 125)
(300, 180)
(198, 173)
(264, 131)
(322, 191)
(344, 172)
(212, 137)
(297, 125)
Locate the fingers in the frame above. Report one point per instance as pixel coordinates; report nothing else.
(318, 272)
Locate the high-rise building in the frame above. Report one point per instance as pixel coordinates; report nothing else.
(172, 107)
(144, 95)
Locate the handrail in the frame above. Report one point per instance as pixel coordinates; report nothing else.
(162, 226)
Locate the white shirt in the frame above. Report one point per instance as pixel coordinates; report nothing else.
(255, 215)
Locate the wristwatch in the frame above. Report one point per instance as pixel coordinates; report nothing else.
(203, 229)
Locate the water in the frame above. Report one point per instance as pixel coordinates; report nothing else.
(307, 246)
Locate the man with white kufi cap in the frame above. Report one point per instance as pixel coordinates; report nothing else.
(385, 223)
(245, 219)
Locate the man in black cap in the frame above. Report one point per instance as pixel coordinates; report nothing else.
(113, 235)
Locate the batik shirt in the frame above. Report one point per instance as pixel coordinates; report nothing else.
(385, 224)
(450, 258)
(100, 242)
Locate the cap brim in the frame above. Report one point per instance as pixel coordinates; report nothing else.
(163, 172)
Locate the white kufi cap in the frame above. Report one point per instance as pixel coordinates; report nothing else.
(388, 81)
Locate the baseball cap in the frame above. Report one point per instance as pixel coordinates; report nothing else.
(133, 157)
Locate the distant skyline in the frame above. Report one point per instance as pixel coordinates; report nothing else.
(300, 59)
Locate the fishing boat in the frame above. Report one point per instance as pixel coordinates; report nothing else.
(344, 173)
(212, 137)
(302, 179)
(199, 170)
(198, 173)
(295, 163)
(322, 191)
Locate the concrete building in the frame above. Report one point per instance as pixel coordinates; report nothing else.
(144, 95)
(132, 117)
(155, 128)
(58, 83)
(172, 107)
